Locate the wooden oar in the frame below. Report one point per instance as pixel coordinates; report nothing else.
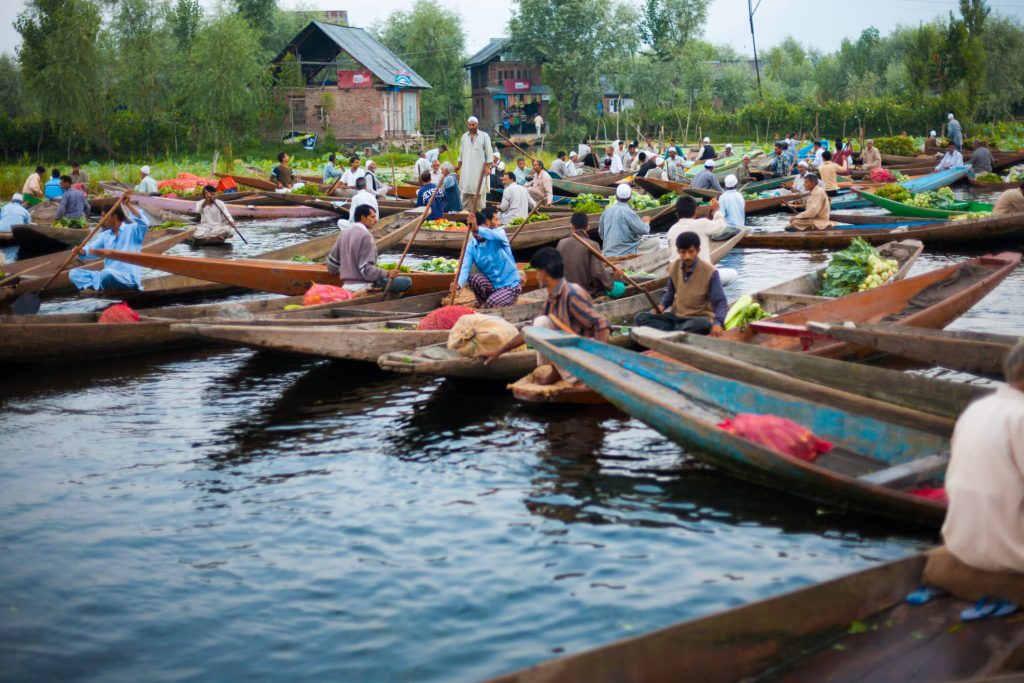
(469, 233)
(611, 265)
(9, 278)
(532, 158)
(412, 238)
(29, 302)
(522, 225)
(230, 222)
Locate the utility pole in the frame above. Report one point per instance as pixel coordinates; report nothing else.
(757, 69)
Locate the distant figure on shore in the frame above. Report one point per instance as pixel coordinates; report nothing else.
(538, 123)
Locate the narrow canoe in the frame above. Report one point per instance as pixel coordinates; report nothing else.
(993, 187)
(809, 635)
(803, 289)
(569, 188)
(751, 206)
(218, 241)
(37, 271)
(238, 211)
(980, 353)
(932, 300)
(769, 184)
(723, 167)
(605, 179)
(38, 238)
(908, 399)
(958, 232)
(861, 472)
(657, 188)
(901, 209)
(279, 277)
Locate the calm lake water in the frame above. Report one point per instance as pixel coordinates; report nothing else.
(226, 515)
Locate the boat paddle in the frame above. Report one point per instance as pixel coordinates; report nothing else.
(225, 216)
(29, 302)
(614, 267)
(469, 232)
(408, 245)
(10, 278)
(532, 158)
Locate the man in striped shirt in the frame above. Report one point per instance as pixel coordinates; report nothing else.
(568, 308)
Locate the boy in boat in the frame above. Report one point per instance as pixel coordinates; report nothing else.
(74, 203)
(581, 266)
(354, 257)
(1010, 201)
(496, 282)
(816, 214)
(214, 220)
(694, 300)
(567, 308)
(984, 527)
(125, 231)
(282, 173)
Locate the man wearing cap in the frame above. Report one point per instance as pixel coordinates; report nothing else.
(540, 188)
(674, 166)
(707, 152)
(955, 132)
(798, 179)
(734, 207)
(516, 201)
(743, 175)
(951, 159)
(73, 203)
(870, 157)
(146, 185)
(613, 161)
(214, 219)
(728, 150)
(931, 144)
(622, 231)
(705, 179)
(658, 171)
(475, 153)
(14, 213)
(711, 226)
(816, 214)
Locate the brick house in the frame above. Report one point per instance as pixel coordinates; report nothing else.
(503, 87)
(353, 87)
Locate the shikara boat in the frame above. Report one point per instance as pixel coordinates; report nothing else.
(604, 179)
(279, 277)
(768, 184)
(657, 187)
(926, 180)
(852, 629)
(217, 241)
(901, 209)
(908, 399)
(238, 211)
(957, 232)
(40, 238)
(980, 353)
(33, 273)
(803, 289)
(751, 206)
(872, 468)
(570, 188)
(993, 187)
(932, 300)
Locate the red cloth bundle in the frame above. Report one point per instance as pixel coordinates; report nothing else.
(119, 313)
(444, 318)
(778, 434)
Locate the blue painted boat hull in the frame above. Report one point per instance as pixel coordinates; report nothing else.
(686, 406)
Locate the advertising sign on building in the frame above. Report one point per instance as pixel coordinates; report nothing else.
(354, 79)
(517, 85)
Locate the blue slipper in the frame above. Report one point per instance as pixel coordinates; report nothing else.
(989, 608)
(924, 595)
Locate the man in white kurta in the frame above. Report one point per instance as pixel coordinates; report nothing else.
(214, 218)
(362, 196)
(984, 525)
(516, 201)
(474, 154)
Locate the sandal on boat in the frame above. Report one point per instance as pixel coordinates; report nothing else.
(989, 608)
(924, 595)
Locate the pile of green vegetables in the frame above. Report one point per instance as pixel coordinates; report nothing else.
(931, 200)
(989, 178)
(744, 312)
(588, 203)
(299, 258)
(309, 190)
(1016, 175)
(76, 223)
(535, 218)
(894, 192)
(855, 269)
(392, 266)
(668, 198)
(439, 265)
(642, 202)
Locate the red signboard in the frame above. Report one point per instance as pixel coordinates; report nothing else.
(517, 85)
(354, 79)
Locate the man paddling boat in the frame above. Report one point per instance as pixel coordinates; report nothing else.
(582, 266)
(125, 230)
(354, 257)
(496, 282)
(214, 219)
(816, 214)
(951, 159)
(694, 300)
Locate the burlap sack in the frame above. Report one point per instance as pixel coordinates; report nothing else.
(477, 333)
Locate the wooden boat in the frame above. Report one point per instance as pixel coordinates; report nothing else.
(764, 185)
(723, 167)
(901, 209)
(958, 232)
(279, 277)
(980, 353)
(907, 399)
(872, 468)
(238, 211)
(931, 300)
(848, 630)
(604, 179)
(570, 188)
(993, 187)
(40, 238)
(875, 219)
(803, 289)
(657, 188)
(216, 241)
(35, 272)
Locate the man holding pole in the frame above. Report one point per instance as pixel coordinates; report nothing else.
(214, 219)
(125, 229)
(496, 282)
(474, 155)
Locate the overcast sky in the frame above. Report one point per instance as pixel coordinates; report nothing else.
(822, 23)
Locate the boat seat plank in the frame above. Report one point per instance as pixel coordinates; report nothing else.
(909, 474)
(843, 461)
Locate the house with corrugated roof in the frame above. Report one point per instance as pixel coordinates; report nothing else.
(339, 80)
(506, 88)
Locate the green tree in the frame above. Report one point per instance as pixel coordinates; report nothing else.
(922, 57)
(12, 104)
(439, 62)
(184, 18)
(1003, 96)
(668, 25)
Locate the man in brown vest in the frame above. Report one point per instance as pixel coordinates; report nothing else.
(694, 300)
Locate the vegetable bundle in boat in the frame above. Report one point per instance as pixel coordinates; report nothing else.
(856, 269)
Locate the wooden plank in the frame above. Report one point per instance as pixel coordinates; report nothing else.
(909, 474)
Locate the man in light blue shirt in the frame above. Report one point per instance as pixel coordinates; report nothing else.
(125, 231)
(733, 206)
(331, 172)
(146, 185)
(14, 213)
(52, 189)
(496, 281)
(705, 179)
(622, 231)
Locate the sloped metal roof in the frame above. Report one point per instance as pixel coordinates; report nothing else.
(321, 42)
(488, 53)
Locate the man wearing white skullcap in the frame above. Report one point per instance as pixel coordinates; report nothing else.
(147, 185)
(658, 172)
(955, 133)
(572, 167)
(732, 203)
(728, 150)
(475, 154)
(708, 152)
(931, 144)
(13, 214)
(705, 179)
(622, 231)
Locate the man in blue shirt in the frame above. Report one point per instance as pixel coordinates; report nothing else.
(424, 194)
(622, 231)
(74, 203)
(125, 231)
(331, 172)
(733, 206)
(52, 189)
(496, 281)
(14, 213)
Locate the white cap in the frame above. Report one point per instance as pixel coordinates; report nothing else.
(728, 145)
(573, 154)
(950, 117)
(802, 164)
(673, 150)
(747, 157)
(710, 163)
(707, 139)
(730, 181)
(144, 169)
(472, 119)
(659, 161)
(623, 191)
(497, 155)
(17, 197)
(933, 134)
